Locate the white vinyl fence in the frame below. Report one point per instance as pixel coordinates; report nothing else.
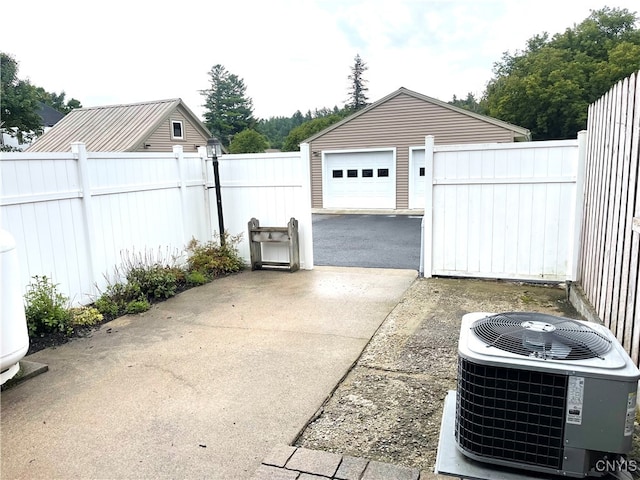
(272, 187)
(76, 216)
(502, 210)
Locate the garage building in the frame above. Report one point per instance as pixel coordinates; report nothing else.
(374, 158)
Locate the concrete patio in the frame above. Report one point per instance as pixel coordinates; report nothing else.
(201, 386)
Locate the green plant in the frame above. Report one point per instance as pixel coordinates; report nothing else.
(137, 306)
(212, 259)
(84, 316)
(46, 308)
(155, 281)
(196, 278)
(113, 302)
(107, 306)
(155, 274)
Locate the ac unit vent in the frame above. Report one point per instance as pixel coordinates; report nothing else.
(541, 336)
(511, 414)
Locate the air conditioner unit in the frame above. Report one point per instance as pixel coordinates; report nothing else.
(543, 393)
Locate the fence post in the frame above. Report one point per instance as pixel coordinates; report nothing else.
(206, 183)
(79, 151)
(305, 217)
(576, 268)
(427, 219)
(179, 156)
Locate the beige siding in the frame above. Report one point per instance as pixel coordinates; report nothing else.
(161, 141)
(402, 122)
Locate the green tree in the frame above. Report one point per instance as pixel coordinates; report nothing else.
(357, 88)
(307, 129)
(275, 129)
(18, 103)
(248, 141)
(57, 100)
(228, 110)
(469, 103)
(548, 87)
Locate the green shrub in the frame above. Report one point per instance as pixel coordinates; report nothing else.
(137, 306)
(85, 316)
(107, 306)
(113, 302)
(155, 281)
(212, 260)
(196, 278)
(46, 308)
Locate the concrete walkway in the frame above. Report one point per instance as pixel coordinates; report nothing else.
(203, 385)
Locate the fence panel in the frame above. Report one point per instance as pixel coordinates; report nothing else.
(610, 247)
(504, 210)
(77, 216)
(272, 188)
(42, 209)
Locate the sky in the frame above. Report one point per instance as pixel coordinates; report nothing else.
(291, 54)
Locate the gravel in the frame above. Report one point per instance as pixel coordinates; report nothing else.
(389, 406)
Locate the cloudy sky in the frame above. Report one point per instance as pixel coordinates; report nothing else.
(291, 54)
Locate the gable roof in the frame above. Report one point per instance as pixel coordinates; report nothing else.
(521, 133)
(114, 128)
(49, 115)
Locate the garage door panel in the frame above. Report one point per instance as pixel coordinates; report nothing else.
(359, 179)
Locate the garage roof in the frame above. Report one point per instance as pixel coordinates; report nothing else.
(520, 133)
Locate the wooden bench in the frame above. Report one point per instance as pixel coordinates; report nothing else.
(259, 235)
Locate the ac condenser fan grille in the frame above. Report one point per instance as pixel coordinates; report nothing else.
(541, 336)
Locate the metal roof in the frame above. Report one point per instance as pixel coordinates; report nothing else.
(114, 128)
(521, 132)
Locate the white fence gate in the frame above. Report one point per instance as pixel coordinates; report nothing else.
(272, 187)
(503, 210)
(76, 216)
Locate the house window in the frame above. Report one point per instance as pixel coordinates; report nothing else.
(422, 171)
(367, 172)
(337, 174)
(383, 172)
(177, 131)
(352, 173)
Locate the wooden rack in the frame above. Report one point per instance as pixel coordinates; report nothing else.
(259, 235)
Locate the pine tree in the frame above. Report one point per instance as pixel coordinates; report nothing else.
(227, 110)
(357, 88)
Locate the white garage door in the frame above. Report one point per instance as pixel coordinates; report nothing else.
(359, 179)
(416, 177)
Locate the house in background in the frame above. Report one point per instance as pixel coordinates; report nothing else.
(137, 127)
(374, 159)
(50, 116)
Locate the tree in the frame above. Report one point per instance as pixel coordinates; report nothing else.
(18, 103)
(307, 129)
(357, 89)
(228, 110)
(275, 129)
(470, 103)
(248, 141)
(57, 101)
(548, 87)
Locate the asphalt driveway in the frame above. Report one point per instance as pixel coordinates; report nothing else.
(374, 241)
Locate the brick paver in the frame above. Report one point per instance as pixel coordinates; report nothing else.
(314, 461)
(267, 472)
(385, 471)
(279, 455)
(351, 468)
(291, 463)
